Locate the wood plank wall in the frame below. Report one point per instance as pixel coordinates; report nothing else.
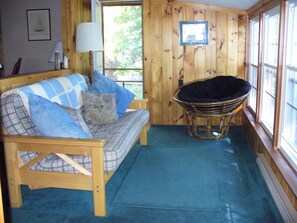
(166, 63)
(73, 13)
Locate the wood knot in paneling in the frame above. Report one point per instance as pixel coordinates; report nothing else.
(179, 57)
(212, 34)
(211, 72)
(178, 9)
(179, 118)
(221, 44)
(168, 10)
(175, 32)
(241, 17)
(212, 27)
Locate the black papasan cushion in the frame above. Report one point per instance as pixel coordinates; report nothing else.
(217, 89)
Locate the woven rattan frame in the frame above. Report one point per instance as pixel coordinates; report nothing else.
(223, 110)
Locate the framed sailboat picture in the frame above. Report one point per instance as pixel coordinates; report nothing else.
(193, 33)
(39, 24)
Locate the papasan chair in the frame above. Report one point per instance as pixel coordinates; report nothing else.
(218, 98)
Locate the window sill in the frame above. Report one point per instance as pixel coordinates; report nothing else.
(262, 143)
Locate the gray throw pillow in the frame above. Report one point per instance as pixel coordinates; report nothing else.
(99, 109)
(76, 114)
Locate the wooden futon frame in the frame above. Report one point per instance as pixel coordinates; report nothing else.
(19, 174)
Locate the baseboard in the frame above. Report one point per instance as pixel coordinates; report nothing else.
(284, 205)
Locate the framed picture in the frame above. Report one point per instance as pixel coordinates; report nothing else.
(39, 24)
(193, 32)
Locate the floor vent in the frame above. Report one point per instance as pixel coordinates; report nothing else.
(285, 207)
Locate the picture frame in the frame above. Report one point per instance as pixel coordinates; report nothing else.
(193, 33)
(38, 24)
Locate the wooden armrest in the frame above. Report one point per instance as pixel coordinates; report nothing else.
(139, 104)
(54, 144)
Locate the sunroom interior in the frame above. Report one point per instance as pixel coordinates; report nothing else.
(251, 40)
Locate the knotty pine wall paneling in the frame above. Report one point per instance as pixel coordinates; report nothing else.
(200, 50)
(241, 58)
(167, 64)
(211, 53)
(177, 63)
(156, 77)
(167, 55)
(221, 43)
(73, 13)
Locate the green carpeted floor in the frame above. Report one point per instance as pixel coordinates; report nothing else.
(175, 179)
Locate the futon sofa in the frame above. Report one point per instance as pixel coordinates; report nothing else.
(83, 163)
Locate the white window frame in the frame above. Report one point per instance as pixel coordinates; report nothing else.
(268, 86)
(253, 62)
(287, 146)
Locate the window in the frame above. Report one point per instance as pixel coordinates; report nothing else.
(289, 106)
(253, 62)
(269, 69)
(122, 34)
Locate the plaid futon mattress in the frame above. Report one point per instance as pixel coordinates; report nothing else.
(119, 136)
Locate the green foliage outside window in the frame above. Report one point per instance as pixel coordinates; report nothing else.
(123, 46)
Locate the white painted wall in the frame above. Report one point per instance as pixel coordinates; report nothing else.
(35, 54)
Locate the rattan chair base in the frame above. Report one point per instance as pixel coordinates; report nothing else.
(209, 130)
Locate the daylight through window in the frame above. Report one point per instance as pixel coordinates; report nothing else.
(289, 107)
(284, 137)
(269, 70)
(253, 62)
(122, 30)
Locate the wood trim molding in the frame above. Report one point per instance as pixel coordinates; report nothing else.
(280, 73)
(262, 143)
(1, 49)
(260, 65)
(263, 6)
(201, 6)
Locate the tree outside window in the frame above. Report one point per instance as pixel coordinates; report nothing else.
(123, 55)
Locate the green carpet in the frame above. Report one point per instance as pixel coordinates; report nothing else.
(181, 179)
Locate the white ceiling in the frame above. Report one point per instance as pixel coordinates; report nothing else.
(237, 4)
